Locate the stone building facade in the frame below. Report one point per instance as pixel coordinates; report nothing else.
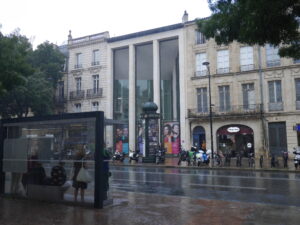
(255, 95)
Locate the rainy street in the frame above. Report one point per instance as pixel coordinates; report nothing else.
(175, 196)
(278, 188)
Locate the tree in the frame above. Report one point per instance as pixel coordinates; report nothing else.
(49, 60)
(36, 95)
(255, 22)
(14, 66)
(28, 78)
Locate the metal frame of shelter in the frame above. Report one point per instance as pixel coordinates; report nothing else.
(100, 123)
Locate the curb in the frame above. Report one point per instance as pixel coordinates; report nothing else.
(151, 165)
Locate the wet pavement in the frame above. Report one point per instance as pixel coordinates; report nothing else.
(171, 162)
(168, 194)
(276, 187)
(147, 209)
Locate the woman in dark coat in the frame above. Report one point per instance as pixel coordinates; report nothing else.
(79, 184)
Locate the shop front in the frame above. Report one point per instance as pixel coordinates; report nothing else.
(199, 137)
(235, 140)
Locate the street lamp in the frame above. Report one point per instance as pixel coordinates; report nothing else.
(210, 113)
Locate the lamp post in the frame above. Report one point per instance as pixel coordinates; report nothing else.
(210, 114)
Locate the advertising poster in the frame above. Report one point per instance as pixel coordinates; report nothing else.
(121, 139)
(140, 138)
(171, 137)
(153, 136)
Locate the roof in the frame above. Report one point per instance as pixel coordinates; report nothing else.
(146, 32)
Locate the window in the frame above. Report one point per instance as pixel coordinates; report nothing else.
(200, 68)
(246, 58)
(297, 84)
(78, 83)
(77, 107)
(95, 83)
(202, 100)
(200, 39)
(96, 58)
(223, 61)
(78, 61)
(272, 56)
(61, 90)
(224, 98)
(296, 61)
(248, 96)
(275, 97)
(95, 106)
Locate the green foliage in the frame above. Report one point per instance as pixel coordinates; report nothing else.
(14, 66)
(255, 22)
(48, 59)
(28, 78)
(35, 95)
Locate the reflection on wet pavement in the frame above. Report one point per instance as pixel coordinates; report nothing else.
(146, 209)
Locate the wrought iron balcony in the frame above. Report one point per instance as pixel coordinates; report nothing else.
(247, 67)
(223, 70)
(95, 63)
(60, 100)
(275, 106)
(94, 93)
(77, 66)
(227, 110)
(74, 95)
(272, 63)
(201, 73)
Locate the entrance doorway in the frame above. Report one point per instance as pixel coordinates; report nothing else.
(235, 140)
(277, 138)
(199, 137)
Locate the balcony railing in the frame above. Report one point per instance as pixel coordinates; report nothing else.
(60, 100)
(223, 70)
(78, 66)
(76, 95)
(272, 63)
(298, 105)
(201, 73)
(227, 110)
(275, 106)
(94, 93)
(95, 63)
(247, 67)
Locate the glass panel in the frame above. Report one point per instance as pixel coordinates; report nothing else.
(246, 58)
(169, 83)
(278, 91)
(273, 59)
(297, 84)
(200, 68)
(144, 76)
(42, 160)
(271, 91)
(121, 84)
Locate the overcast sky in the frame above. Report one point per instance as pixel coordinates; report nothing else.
(51, 20)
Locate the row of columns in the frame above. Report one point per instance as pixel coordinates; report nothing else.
(156, 89)
(132, 84)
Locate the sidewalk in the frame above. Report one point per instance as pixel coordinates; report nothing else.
(171, 162)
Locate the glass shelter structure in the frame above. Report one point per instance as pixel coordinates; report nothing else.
(41, 158)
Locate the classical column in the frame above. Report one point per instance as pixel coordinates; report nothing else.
(184, 123)
(109, 103)
(156, 74)
(132, 85)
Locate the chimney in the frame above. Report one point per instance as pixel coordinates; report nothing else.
(185, 17)
(70, 37)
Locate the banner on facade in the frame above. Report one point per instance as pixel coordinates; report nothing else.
(121, 138)
(171, 137)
